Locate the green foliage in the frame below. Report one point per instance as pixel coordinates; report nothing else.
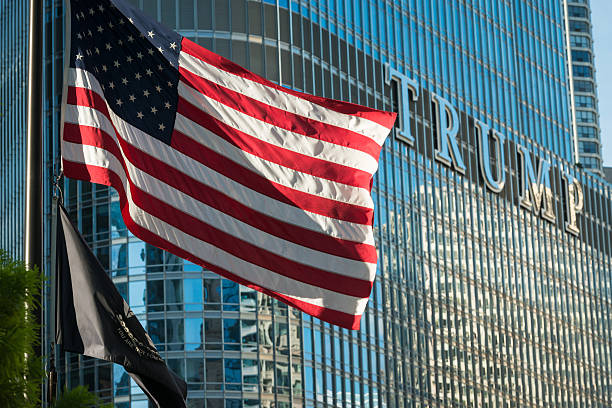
(21, 370)
(78, 397)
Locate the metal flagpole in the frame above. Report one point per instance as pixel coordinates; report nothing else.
(33, 239)
(33, 212)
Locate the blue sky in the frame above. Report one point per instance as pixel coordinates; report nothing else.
(601, 11)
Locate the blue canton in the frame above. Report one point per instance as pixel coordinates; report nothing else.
(134, 59)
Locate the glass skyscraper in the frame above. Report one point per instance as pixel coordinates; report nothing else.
(13, 94)
(488, 294)
(584, 85)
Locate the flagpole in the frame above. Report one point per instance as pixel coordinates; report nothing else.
(33, 212)
(33, 231)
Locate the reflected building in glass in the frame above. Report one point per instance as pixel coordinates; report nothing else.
(479, 301)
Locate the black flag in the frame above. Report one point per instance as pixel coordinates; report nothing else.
(94, 320)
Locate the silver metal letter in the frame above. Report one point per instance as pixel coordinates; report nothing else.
(539, 189)
(574, 203)
(447, 127)
(495, 184)
(404, 85)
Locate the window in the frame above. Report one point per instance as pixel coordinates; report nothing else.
(584, 101)
(588, 147)
(590, 162)
(579, 26)
(577, 11)
(586, 132)
(233, 375)
(582, 71)
(580, 41)
(585, 116)
(583, 86)
(581, 56)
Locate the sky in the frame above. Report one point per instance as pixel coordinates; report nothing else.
(601, 10)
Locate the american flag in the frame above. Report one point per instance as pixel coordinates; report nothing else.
(263, 185)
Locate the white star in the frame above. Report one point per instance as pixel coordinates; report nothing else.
(116, 63)
(108, 46)
(167, 105)
(173, 45)
(170, 83)
(138, 76)
(78, 17)
(130, 38)
(91, 11)
(79, 57)
(129, 59)
(110, 24)
(104, 68)
(88, 52)
(111, 85)
(139, 55)
(146, 93)
(149, 72)
(79, 36)
(158, 88)
(101, 7)
(151, 34)
(100, 29)
(151, 52)
(121, 21)
(140, 115)
(89, 33)
(161, 126)
(120, 42)
(82, 15)
(154, 110)
(132, 98)
(160, 67)
(119, 102)
(160, 49)
(125, 81)
(97, 51)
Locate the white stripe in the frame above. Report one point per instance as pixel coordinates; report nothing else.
(259, 276)
(283, 100)
(284, 176)
(246, 232)
(259, 129)
(259, 202)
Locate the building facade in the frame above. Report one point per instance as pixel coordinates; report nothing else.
(495, 251)
(13, 94)
(584, 85)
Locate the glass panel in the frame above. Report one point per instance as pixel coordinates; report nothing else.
(194, 334)
(192, 290)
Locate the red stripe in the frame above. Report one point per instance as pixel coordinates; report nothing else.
(267, 151)
(279, 117)
(227, 242)
(91, 136)
(307, 202)
(301, 236)
(101, 175)
(87, 97)
(219, 163)
(385, 119)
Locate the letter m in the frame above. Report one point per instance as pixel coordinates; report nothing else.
(536, 192)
